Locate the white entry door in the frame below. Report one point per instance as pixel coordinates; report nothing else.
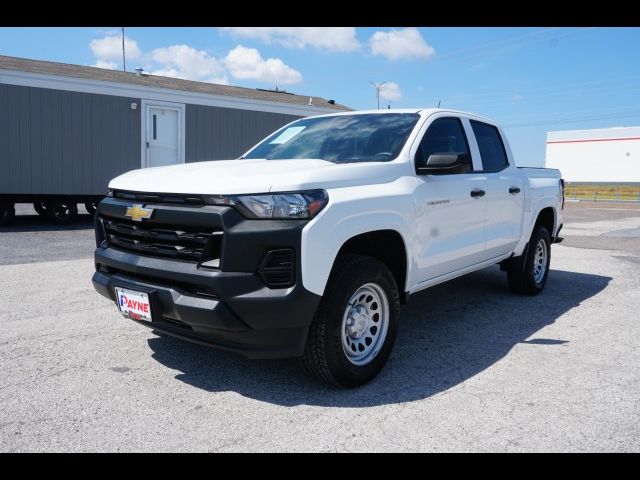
(163, 130)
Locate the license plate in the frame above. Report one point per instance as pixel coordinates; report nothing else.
(133, 304)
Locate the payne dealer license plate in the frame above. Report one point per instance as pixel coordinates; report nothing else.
(133, 304)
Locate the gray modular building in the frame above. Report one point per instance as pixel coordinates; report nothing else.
(66, 130)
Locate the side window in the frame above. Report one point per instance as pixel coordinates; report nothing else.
(444, 135)
(492, 152)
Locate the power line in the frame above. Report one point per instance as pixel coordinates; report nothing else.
(635, 79)
(513, 40)
(550, 95)
(572, 120)
(495, 42)
(548, 116)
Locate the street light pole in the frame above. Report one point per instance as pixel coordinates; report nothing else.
(124, 64)
(377, 87)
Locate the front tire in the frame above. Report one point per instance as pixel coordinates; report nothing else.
(356, 324)
(528, 274)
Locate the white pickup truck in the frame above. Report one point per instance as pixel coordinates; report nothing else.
(307, 245)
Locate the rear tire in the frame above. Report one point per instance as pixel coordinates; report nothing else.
(61, 212)
(7, 212)
(356, 324)
(40, 207)
(528, 273)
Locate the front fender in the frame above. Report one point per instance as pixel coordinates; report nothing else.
(350, 212)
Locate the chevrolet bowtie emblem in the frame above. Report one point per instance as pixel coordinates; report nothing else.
(138, 212)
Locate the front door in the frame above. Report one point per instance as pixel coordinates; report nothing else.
(451, 219)
(163, 136)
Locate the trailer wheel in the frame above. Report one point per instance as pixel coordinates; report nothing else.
(40, 207)
(91, 207)
(7, 212)
(61, 212)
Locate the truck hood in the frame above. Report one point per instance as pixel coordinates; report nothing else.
(227, 177)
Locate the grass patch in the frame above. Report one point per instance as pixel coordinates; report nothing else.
(602, 191)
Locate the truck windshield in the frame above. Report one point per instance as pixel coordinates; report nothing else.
(371, 137)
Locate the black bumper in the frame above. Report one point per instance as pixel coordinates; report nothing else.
(232, 310)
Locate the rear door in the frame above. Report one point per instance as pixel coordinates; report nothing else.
(504, 191)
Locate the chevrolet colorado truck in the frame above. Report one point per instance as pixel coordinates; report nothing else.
(307, 244)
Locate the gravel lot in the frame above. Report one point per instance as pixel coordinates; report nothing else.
(475, 368)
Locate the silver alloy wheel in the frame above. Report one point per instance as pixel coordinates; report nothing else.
(540, 261)
(365, 323)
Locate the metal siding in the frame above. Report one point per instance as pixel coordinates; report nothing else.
(62, 142)
(214, 133)
(77, 176)
(4, 140)
(85, 138)
(35, 119)
(66, 169)
(46, 118)
(191, 138)
(53, 155)
(24, 142)
(13, 143)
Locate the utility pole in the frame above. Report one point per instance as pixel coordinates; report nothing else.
(124, 64)
(377, 87)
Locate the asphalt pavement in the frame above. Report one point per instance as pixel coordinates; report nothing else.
(475, 367)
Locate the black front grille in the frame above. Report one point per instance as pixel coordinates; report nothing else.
(159, 198)
(195, 245)
(277, 268)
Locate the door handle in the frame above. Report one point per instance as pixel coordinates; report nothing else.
(514, 190)
(477, 192)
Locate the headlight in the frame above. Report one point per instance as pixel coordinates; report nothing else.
(109, 192)
(277, 205)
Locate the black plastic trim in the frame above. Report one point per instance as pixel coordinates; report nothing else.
(276, 319)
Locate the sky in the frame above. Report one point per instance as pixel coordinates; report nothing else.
(531, 80)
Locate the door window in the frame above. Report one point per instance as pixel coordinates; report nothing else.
(444, 135)
(492, 152)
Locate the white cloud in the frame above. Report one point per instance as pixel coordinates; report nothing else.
(183, 61)
(332, 39)
(106, 64)
(186, 62)
(109, 48)
(400, 44)
(390, 91)
(247, 63)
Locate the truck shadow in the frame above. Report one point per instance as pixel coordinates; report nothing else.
(448, 334)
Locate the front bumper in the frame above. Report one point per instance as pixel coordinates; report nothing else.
(232, 310)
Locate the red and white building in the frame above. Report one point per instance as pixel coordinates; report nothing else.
(597, 155)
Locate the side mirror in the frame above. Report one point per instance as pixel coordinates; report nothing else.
(443, 163)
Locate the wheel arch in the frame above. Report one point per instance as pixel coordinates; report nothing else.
(545, 214)
(547, 218)
(386, 245)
